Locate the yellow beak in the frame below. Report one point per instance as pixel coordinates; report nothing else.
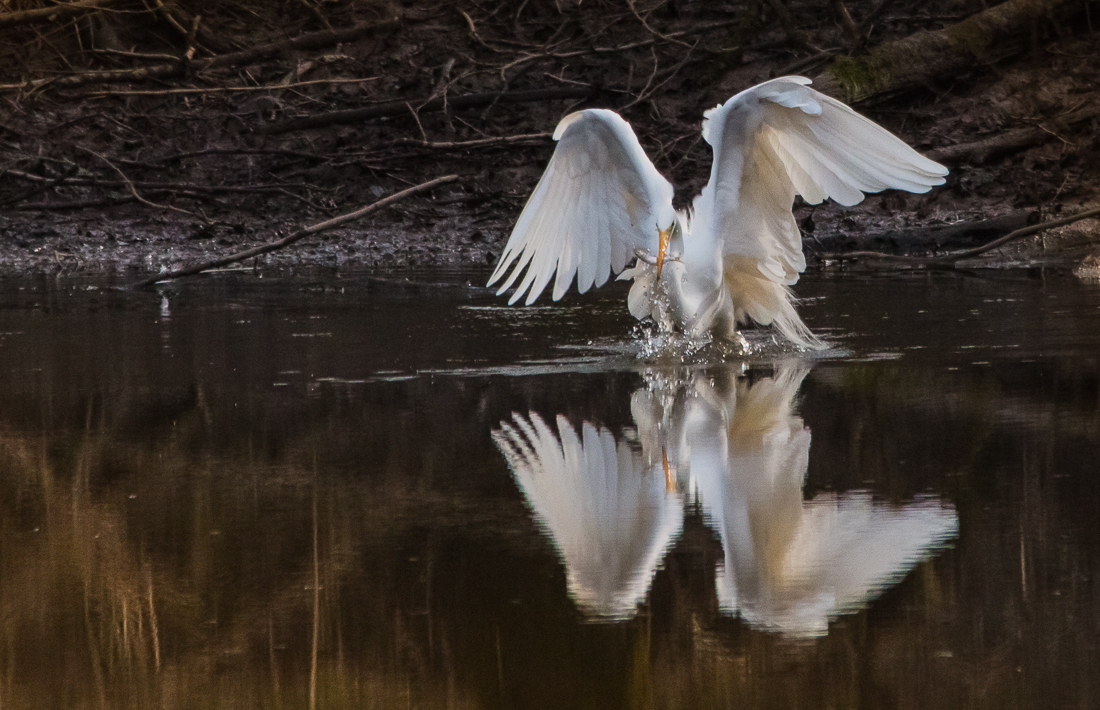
(662, 249)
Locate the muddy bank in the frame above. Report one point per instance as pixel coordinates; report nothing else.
(130, 146)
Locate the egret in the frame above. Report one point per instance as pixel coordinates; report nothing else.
(732, 258)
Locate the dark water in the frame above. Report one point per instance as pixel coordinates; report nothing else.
(356, 492)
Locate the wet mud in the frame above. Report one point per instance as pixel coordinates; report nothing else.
(138, 176)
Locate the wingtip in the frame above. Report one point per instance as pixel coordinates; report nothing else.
(566, 123)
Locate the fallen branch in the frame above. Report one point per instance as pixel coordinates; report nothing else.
(1009, 141)
(311, 40)
(52, 12)
(948, 260)
(295, 236)
(46, 184)
(79, 204)
(927, 56)
(960, 235)
(219, 89)
(400, 108)
(146, 184)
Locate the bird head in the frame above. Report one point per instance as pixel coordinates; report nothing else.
(672, 236)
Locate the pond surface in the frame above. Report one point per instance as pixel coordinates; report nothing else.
(395, 491)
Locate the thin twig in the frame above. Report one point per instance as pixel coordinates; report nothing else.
(476, 36)
(311, 40)
(149, 185)
(655, 33)
(851, 30)
(644, 95)
(477, 143)
(295, 236)
(133, 190)
(317, 12)
(417, 119)
(399, 108)
(133, 55)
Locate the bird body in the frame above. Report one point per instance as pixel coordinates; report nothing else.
(733, 257)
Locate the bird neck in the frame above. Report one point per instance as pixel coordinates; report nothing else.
(702, 252)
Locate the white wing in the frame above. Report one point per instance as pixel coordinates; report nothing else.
(782, 138)
(599, 199)
(771, 142)
(607, 512)
(843, 553)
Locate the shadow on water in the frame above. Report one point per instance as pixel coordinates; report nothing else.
(380, 492)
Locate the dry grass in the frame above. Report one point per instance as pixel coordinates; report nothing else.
(95, 614)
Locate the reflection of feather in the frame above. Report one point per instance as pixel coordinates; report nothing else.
(792, 565)
(839, 554)
(609, 514)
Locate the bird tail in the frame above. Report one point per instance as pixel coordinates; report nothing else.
(765, 302)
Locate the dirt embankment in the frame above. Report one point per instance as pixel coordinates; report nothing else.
(138, 135)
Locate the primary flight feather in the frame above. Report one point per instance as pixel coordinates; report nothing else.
(733, 258)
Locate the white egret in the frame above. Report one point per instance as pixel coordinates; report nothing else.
(733, 258)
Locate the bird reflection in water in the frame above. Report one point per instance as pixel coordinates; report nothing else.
(614, 505)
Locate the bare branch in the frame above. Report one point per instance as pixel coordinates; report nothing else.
(948, 260)
(295, 236)
(52, 12)
(133, 190)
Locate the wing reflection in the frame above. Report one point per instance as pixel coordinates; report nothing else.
(606, 508)
(792, 565)
(613, 507)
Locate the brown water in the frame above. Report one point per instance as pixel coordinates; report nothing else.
(356, 492)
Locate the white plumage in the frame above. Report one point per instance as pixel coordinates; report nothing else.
(606, 508)
(792, 565)
(733, 258)
(613, 506)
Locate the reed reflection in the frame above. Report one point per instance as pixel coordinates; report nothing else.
(614, 505)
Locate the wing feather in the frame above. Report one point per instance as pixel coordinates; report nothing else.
(599, 200)
(772, 142)
(827, 150)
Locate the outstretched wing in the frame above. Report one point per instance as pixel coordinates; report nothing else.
(782, 138)
(599, 199)
(771, 142)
